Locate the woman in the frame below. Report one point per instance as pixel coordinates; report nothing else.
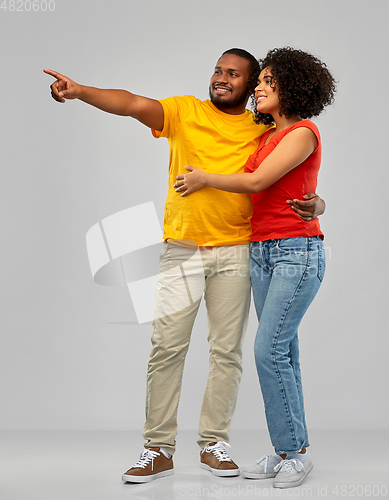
(286, 253)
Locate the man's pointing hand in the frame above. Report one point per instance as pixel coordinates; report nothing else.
(63, 88)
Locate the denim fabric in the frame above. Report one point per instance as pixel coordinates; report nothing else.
(285, 276)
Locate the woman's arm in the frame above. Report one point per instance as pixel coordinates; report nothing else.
(291, 151)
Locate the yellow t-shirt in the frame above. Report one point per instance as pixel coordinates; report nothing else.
(201, 136)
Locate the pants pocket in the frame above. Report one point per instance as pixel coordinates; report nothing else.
(164, 252)
(321, 265)
(297, 246)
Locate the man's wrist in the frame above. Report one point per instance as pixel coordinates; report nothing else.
(82, 92)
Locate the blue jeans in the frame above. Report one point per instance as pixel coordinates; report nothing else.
(285, 276)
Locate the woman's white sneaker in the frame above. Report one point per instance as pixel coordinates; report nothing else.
(263, 468)
(291, 473)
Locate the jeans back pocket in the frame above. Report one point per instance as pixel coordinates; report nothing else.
(321, 264)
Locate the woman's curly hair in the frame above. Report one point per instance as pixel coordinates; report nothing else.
(304, 84)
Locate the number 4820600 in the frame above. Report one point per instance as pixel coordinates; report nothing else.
(28, 5)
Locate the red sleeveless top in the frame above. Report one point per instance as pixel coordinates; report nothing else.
(272, 218)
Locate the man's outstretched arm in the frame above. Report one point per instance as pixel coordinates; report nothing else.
(119, 102)
(311, 207)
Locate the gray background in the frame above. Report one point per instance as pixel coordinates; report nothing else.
(72, 355)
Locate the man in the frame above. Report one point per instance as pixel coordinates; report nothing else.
(206, 235)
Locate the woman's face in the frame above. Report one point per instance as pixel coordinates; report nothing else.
(266, 95)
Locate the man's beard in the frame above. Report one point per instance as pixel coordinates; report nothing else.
(233, 103)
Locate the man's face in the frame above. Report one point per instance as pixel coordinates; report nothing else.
(228, 86)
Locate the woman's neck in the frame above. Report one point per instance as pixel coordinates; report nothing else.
(282, 122)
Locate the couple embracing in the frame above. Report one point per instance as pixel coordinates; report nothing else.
(241, 193)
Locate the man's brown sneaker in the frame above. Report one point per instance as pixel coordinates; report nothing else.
(216, 459)
(151, 465)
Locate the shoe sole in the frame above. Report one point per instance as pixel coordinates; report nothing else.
(222, 472)
(252, 475)
(295, 483)
(145, 479)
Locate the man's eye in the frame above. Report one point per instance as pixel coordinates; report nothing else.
(233, 74)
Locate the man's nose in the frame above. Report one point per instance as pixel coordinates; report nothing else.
(223, 78)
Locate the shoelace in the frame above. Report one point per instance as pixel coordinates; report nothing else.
(288, 466)
(220, 451)
(266, 459)
(145, 457)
